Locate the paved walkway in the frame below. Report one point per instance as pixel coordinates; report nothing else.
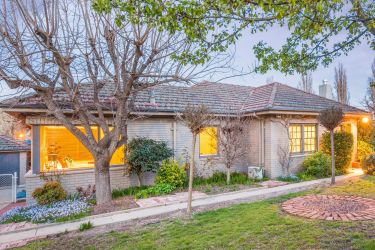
(331, 207)
(168, 199)
(139, 213)
(10, 206)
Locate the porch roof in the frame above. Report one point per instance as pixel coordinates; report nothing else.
(8, 144)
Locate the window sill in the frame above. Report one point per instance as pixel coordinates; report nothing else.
(298, 155)
(81, 170)
(209, 156)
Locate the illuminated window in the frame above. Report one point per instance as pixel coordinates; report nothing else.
(208, 141)
(309, 138)
(60, 149)
(295, 137)
(302, 138)
(118, 157)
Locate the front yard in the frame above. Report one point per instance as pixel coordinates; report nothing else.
(259, 225)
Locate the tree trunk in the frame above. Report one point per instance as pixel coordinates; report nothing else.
(228, 175)
(139, 178)
(102, 182)
(333, 156)
(191, 176)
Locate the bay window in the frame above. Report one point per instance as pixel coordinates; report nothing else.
(60, 149)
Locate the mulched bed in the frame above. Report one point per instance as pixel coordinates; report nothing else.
(122, 203)
(331, 207)
(218, 189)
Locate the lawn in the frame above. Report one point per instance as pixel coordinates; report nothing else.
(259, 225)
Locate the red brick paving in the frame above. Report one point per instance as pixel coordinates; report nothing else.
(12, 205)
(331, 207)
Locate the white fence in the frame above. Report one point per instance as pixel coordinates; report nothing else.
(8, 188)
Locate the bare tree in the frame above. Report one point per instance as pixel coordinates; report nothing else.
(232, 143)
(69, 55)
(195, 118)
(330, 118)
(369, 100)
(284, 149)
(341, 84)
(306, 83)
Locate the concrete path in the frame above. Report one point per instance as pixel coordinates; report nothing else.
(140, 213)
(168, 199)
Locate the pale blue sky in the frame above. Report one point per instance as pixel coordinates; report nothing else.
(357, 64)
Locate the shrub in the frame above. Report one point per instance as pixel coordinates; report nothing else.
(156, 190)
(145, 155)
(317, 165)
(219, 178)
(171, 173)
(363, 149)
(127, 191)
(85, 226)
(343, 142)
(58, 211)
(290, 178)
(50, 192)
(368, 164)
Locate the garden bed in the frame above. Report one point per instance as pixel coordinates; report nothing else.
(260, 225)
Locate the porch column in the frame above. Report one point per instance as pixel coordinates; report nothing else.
(354, 131)
(35, 149)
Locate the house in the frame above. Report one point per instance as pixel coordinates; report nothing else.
(280, 116)
(14, 158)
(14, 163)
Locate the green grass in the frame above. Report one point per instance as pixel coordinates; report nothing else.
(364, 187)
(259, 225)
(220, 178)
(127, 191)
(85, 226)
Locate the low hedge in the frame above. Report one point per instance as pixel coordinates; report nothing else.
(343, 142)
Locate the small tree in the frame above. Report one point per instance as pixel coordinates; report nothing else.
(195, 118)
(330, 118)
(145, 155)
(231, 141)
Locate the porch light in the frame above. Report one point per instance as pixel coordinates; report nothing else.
(365, 119)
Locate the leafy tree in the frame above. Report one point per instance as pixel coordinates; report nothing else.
(330, 118)
(65, 49)
(145, 155)
(313, 25)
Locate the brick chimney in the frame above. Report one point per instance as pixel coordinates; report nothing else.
(325, 90)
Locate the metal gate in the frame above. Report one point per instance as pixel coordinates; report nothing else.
(8, 188)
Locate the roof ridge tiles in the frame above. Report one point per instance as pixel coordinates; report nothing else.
(273, 94)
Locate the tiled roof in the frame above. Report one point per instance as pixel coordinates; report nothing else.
(8, 144)
(220, 98)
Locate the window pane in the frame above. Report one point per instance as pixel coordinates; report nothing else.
(309, 138)
(60, 149)
(118, 157)
(208, 141)
(295, 138)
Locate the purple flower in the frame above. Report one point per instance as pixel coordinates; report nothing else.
(46, 213)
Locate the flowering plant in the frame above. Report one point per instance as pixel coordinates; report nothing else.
(57, 211)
